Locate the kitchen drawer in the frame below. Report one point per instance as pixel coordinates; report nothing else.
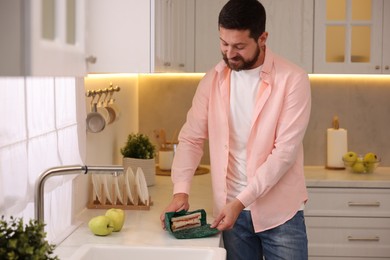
(348, 237)
(348, 202)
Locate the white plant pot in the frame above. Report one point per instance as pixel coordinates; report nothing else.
(148, 166)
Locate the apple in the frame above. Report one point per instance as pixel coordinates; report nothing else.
(350, 158)
(370, 158)
(358, 166)
(118, 218)
(101, 225)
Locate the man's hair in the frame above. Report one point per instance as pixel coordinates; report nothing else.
(243, 15)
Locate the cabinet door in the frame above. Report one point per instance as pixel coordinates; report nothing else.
(42, 38)
(386, 38)
(348, 36)
(119, 35)
(174, 36)
(207, 49)
(290, 28)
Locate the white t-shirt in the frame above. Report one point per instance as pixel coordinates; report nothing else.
(244, 86)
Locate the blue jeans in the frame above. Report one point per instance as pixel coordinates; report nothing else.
(285, 242)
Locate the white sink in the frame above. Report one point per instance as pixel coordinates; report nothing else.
(118, 252)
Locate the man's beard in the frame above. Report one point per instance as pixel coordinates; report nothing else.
(243, 64)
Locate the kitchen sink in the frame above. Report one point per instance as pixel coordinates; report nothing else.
(122, 252)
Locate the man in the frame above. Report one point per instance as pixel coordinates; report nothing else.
(254, 108)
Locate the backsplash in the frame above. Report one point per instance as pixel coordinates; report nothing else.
(362, 104)
(360, 101)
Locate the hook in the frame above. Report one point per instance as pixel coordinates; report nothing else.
(93, 94)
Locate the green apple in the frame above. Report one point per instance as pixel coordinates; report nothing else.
(358, 166)
(370, 158)
(101, 225)
(118, 218)
(350, 158)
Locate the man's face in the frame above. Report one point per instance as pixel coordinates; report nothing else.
(239, 51)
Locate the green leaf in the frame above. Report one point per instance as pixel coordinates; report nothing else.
(138, 146)
(20, 241)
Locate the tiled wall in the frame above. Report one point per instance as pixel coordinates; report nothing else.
(361, 102)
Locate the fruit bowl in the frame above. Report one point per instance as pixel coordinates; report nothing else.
(362, 165)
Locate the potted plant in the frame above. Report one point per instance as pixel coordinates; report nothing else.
(19, 241)
(138, 151)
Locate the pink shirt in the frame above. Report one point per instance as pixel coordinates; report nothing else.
(276, 185)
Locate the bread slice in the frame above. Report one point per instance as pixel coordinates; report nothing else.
(186, 221)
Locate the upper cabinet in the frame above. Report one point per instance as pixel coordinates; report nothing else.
(289, 23)
(186, 35)
(352, 36)
(42, 38)
(174, 35)
(290, 27)
(75, 37)
(119, 36)
(207, 50)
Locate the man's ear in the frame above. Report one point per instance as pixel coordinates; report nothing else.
(262, 39)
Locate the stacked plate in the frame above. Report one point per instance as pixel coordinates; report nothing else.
(123, 189)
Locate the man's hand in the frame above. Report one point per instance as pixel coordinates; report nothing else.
(228, 216)
(179, 202)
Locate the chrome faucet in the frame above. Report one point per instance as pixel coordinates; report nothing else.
(64, 170)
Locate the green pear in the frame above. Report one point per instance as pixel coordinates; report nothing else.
(101, 225)
(350, 158)
(118, 218)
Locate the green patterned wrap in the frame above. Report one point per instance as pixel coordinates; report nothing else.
(197, 232)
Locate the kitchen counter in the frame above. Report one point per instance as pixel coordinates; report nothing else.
(143, 227)
(319, 176)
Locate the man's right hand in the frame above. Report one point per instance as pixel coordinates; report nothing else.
(179, 202)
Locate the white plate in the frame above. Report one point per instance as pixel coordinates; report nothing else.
(96, 182)
(108, 186)
(130, 186)
(142, 187)
(118, 182)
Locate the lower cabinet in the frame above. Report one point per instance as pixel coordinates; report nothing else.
(348, 223)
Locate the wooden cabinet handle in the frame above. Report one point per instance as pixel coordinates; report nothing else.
(364, 204)
(352, 238)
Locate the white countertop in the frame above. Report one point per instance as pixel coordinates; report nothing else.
(319, 176)
(143, 227)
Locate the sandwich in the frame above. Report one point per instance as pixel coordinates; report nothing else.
(186, 221)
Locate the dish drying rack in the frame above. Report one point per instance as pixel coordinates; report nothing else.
(112, 200)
